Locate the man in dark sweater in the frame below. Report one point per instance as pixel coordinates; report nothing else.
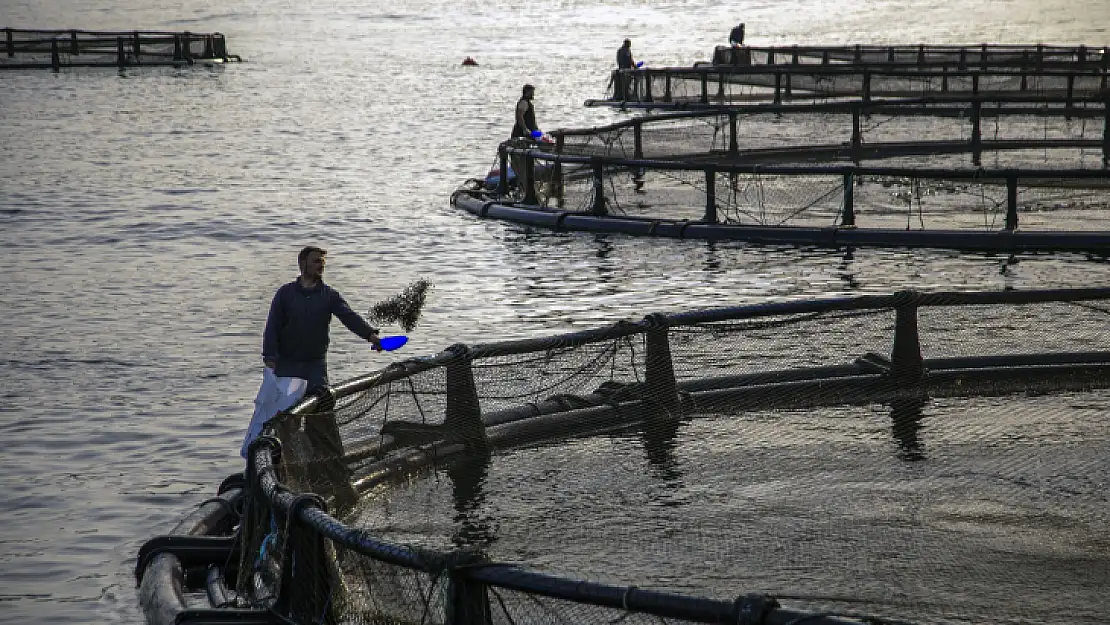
(295, 342)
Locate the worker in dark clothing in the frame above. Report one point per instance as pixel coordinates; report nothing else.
(736, 37)
(524, 127)
(624, 62)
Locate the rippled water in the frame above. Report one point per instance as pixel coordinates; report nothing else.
(149, 215)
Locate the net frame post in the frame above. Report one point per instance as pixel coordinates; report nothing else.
(462, 421)
(55, 57)
(637, 138)
(778, 88)
(659, 378)
(467, 600)
(1106, 126)
(9, 43)
(121, 56)
(710, 216)
(733, 130)
(598, 176)
(178, 56)
(1011, 202)
(866, 86)
(976, 128)
(307, 584)
(704, 86)
(848, 210)
(907, 368)
(503, 163)
(136, 46)
(527, 178)
(857, 133)
(74, 47)
(557, 184)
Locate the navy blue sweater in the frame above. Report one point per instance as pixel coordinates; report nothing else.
(297, 327)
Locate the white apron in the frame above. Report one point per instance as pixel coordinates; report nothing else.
(275, 394)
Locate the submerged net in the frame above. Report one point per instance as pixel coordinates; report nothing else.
(925, 459)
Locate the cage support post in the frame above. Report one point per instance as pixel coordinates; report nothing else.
(866, 86)
(1011, 202)
(55, 58)
(704, 87)
(721, 86)
(136, 46)
(463, 419)
(848, 214)
(662, 389)
(710, 195)
(557, 189)
(976, 133)
(778, 87)
(857, 139)
(1106, 129)
(121, 56)
(637, 139)
(528, 179)
(74, 48)
(646, 79)
(733, 130)
(10, 42)
(907, 367)
(599, 186)
(503, 163)
(467, 599)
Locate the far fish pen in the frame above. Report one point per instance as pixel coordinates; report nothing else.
(747, 74)
(56, 49)
(932, 172)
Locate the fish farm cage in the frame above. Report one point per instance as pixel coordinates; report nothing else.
(745, 74)
(57, 49)
(903, 458)
(1005, 173)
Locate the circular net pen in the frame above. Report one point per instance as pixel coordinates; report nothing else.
(1009, 174)
(910, 458)
(739, 80)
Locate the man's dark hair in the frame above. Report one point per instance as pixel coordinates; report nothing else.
(527, 88)
(308, 249)
(627, 42)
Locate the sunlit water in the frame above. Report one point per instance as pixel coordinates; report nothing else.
(148, 216)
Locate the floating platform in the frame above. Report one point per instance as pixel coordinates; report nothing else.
(57, 49)
(809, 73)
(1007, 175)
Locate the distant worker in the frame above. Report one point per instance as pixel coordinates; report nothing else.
(736, 37)
(524, 128)
(469, 61)
(625, 61)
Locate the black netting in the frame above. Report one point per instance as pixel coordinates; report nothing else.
(926, 459)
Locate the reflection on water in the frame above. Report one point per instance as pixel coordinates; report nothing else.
(905, 416)
(468, 476)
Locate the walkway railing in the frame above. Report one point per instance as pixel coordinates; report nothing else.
(55, 49)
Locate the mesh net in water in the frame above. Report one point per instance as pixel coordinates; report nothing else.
(908, 458)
